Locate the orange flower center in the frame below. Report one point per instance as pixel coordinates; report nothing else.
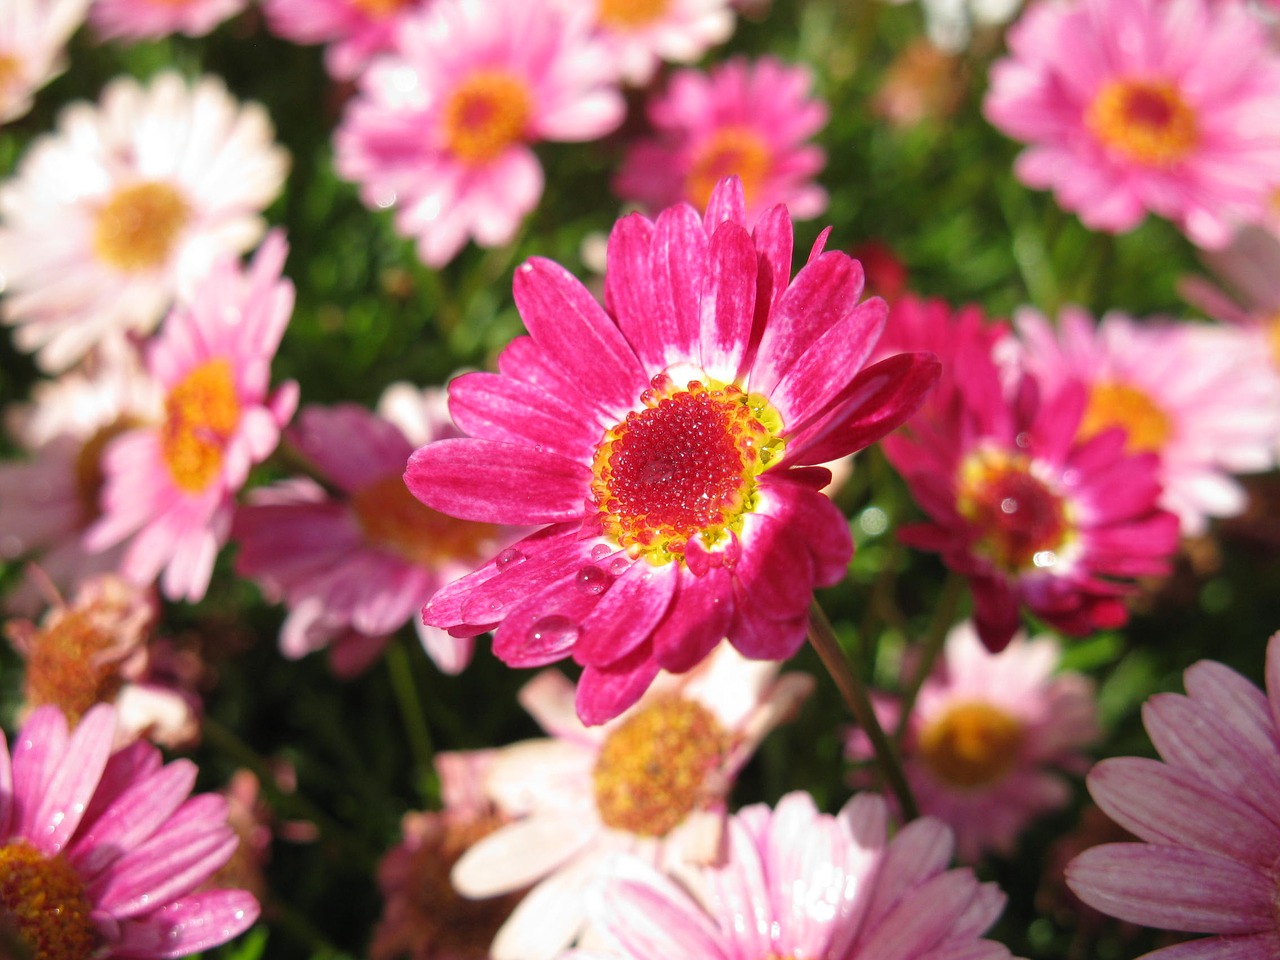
(630, 14)
(72, 661)
(731, 150)
(683, 466)
(10, 69)
(88, 467)
(395, 520)
(138, 226)
(379, 9)
(200, 415)
(486, 114)
(1146, 121)
(972, 744)
(1121, 405)
(1271, 328)
(657, 766)
(43, 905)
(1021, 522)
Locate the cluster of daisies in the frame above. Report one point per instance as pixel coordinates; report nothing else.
(642, 486)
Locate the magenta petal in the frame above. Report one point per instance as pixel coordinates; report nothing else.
(195, 923)
(36, 752)
(696, 622)
(728, 300)
(626, 614)
(604, 692)
(774, 240)
(567, 322)
(1173, 888)
(996, 614)
(772, 586)
(74, 780)
(629, 291)
(679, 257)
(497, 482)
(814, 521)
(727, 203)
(351, 446)
(490, 406)
(6, 786)
(544, 627)
(880, 398)
(1262, 946)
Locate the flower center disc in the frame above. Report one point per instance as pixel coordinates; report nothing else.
(630, 14)
(654, 769)
(972, 744)
(683, 466)
(71, 663)
(394, 519)
(1147, 122)
(379, 9)
(733, 150)
(42, 901)
(201, 414)
(485, 114)
(138, 226)
(1120, 405)
(1022, 522)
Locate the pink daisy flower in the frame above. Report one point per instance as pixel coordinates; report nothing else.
(51, 497)
(799, 883)
(752, 120)
(1032, 513)
(1129, 106)
(101, 853)
(1202, 399)
(667, 441)
(441, 129)
(1206, 814)
(149, 19)
(127, 205)
(97, 650)
(171, 486)
(990, 737)
(643, 33)
(355, 30)
(653, 782)
(33, 38)
(356, 566)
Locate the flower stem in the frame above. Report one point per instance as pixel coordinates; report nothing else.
(415, 723)
(855, 697)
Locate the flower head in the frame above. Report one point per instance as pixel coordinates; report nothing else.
(442, 128)
(799, 883)
(133, 20)
(668, 441)
(653, 782)
(101, 853)
(1206, 815)
(117, 212)
(355, 30)
(1029, 510)
(356, 566)
(1204, 400)
(170, 486)
(752, 120)
(1168, 106)
(33, 35)
(990, 736)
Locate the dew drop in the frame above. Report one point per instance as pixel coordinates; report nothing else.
(600, 551)
(553, 633)
(619, 565)
(482, 611)
(1023, 439)
(1044, 558)
(509, 557)
(592, 580)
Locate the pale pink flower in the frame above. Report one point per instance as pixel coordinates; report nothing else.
(96, 649)
(642, 34)
(799, 883)
(355, 564)
(150, 19)
(423, 916)
(1129, 106)
(102, 852)
(125, 206)
(1206, 814)
(355, 30)
(442, 128)
(1203, 399)
(752, 120)
(991, 736)
(171, 486)
(49, 498)
(33, 38)
(653, 781)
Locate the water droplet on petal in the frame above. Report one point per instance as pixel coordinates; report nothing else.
(619, 565)
(1023, 439)
(553, 633)
(592, 580)
(600, 551)
(509, 557)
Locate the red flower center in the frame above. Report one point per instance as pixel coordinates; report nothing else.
(1146, 121)
(1021, 522)
(394, 519)
(486, 114)
(971, 744)
(683, 466)
(201, 413)
(657, 767)
(138, 227)
(730, 151)
(43, 906)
